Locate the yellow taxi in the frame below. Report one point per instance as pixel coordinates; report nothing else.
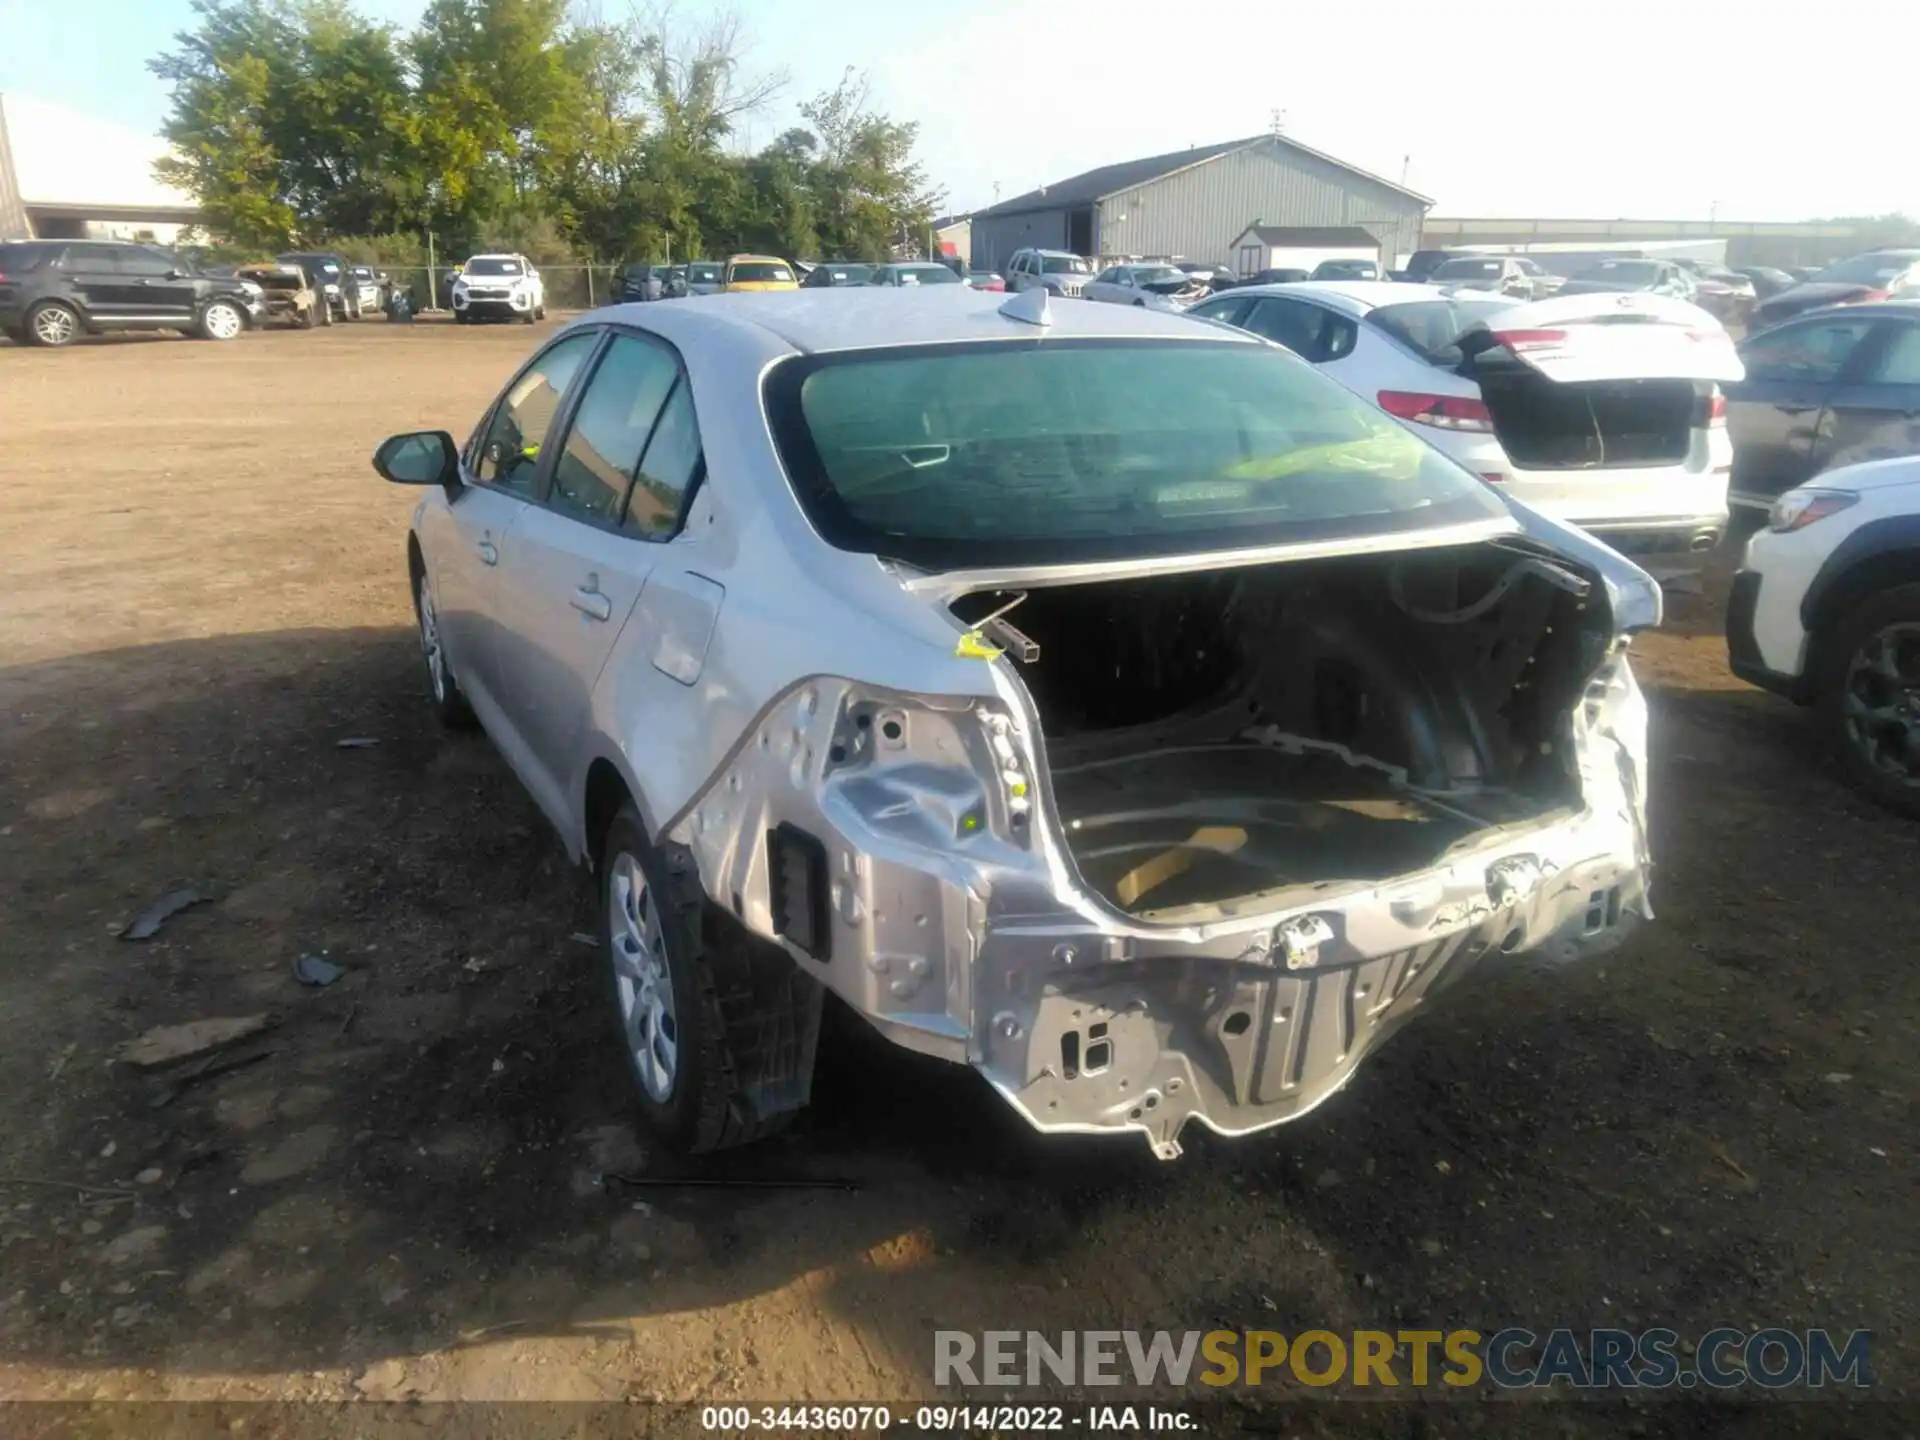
(745, 273)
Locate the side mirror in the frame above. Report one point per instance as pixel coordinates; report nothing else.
(425, 457)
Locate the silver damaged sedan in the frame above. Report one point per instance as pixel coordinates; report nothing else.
(1093, 696)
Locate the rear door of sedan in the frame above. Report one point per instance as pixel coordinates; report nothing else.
(612, 494)
(1874, 411)
(1775, 413)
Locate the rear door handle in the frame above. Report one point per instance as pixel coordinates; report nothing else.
(489, 553)
(591, 603)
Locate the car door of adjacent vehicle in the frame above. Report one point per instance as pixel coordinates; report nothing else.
(1874, 411)
(582, 556)
(1774, 414)
(466, 540)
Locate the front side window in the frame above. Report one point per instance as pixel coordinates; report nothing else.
(143, 261)
(610, 428)
(1899, 362)
(1288, 323)
(1814, 352)
(1020, 453)
(509, 452)
(668, 471)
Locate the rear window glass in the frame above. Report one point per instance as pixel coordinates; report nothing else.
(1432, 328)
(754, 272)
(1016, 453)
(1632, 272)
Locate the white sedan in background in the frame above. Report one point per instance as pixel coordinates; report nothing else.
(1599, 410)
(1144, 284)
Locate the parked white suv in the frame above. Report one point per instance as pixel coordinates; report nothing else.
(1599, 410)
(499, 287)
(1056, 271)
(1826, 611)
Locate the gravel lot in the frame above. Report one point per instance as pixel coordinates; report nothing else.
(204, 592)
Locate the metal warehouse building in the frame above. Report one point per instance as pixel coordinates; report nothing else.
(1193, 203)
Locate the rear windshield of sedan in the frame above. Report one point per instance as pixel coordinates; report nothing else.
(1432, 328)
(1017, 452)
(754, 273)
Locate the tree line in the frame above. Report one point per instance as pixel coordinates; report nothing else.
(521, 125)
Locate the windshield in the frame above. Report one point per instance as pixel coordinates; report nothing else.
(1467, 270)
(703, 274)
(1864, 270)
(1154, 274)
(484, 265)
(928, 275)
(1629, 272)
(312, 264)
(1432, 328)
(1015, 453)
(1065, 265)
(757, 272)
(849, 274)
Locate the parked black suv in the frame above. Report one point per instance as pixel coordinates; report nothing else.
(332, 276)
(54, 291)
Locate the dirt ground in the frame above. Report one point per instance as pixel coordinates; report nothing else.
(400, 1192)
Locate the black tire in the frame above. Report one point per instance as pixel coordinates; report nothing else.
(745, 1018)
(46, 330)
(459, 317)
(1847, 683)
(449, 702)
(211, 325)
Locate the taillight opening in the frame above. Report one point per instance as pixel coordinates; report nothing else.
(1442, 412)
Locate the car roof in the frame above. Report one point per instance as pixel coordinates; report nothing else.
(1042, 250)
(496, 255)
(808, 322)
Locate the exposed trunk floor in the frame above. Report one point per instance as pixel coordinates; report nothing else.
(1195, 826)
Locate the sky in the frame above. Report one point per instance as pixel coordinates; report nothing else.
(1680, 110)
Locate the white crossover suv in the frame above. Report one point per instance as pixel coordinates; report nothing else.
(1085, 694)
(499, 287)
(1826, 611)
(1600, 410)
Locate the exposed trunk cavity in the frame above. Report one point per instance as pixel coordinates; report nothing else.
(1589, 425)
(1216, 737)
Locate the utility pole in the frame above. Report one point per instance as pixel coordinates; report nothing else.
(433, 290)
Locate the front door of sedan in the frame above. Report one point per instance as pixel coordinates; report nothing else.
(1874, 411)
(1774, 414)
(580, 559)
(466, 541)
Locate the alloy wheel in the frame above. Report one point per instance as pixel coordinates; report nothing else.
(430, 645)
(1880, 702)
(222, 321)
(642, 982)
(54, 325)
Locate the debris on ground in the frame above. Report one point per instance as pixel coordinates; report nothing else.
(317, 970)
(356, 742)
(147, 923)
(207, 1069)
(580, 937)
(165, 1044)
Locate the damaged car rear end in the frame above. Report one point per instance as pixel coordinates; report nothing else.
(1137, 716)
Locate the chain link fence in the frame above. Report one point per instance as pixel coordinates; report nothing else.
(569, 287)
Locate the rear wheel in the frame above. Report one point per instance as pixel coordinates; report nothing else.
(52, 324)
(1869, 698)
(718, 1027)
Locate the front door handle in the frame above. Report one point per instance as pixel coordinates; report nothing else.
(591, 603)
(489, 553)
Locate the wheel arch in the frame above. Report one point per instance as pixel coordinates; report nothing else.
(605, 785)
(1878, 556)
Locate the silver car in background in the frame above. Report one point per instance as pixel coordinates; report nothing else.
(1145, 284)
(1156, 761)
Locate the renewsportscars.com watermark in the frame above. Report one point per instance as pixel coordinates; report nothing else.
(1512, 1359)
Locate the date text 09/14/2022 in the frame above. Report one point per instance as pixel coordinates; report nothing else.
(1019, 1419)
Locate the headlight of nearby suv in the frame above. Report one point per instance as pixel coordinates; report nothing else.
(1798, 509)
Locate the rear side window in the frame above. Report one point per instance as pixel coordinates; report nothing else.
(1814, 352)
(509, 452)
(1432, 328)
(139, 260)
(610, 428)
(668, 472)
(18, 259)
(1899, 362)
(1228, 312)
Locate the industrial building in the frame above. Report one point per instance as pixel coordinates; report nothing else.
(69, 176)
(1193, 203)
